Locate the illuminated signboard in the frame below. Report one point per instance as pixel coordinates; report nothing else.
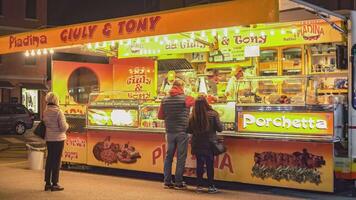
(289, 123)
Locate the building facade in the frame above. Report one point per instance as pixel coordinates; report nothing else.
(23, 79)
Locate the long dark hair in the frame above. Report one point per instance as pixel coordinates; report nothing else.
(199, 119)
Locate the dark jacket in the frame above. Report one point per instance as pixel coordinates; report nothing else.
(201, 142)
(174, 110)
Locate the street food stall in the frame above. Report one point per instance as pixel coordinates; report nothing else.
(281, 90)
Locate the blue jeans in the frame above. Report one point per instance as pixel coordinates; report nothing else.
(207, 160)
(179, 142)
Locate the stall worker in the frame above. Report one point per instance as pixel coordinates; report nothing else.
(168, 82)
(234, 86)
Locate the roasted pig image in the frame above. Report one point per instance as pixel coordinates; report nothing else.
(298, 166)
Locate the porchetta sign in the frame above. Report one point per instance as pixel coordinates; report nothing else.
(320, 123)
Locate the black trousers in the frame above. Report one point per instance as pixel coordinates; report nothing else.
(207, 160)
(53, 161)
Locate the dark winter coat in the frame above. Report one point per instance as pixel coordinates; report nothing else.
(174, 110)
(201, 142)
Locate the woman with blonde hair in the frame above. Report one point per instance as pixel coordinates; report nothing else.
(56, 127)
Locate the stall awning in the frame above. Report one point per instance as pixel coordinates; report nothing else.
(35, 86)
(211, 16)
(6, 85)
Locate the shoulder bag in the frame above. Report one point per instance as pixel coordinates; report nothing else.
(218, 147)
(40, 130)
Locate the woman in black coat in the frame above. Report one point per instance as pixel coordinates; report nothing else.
(204, 122)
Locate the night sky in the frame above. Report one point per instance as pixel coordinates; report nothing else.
(62, 12)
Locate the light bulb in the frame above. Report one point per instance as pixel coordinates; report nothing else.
(27, 54)
(33, 53)
(51, 51)
(39, 52)
(45, 52)
(89, 46)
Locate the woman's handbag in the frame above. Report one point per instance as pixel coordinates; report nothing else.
(40, 130)
(218, 147)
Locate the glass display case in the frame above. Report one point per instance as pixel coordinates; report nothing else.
(268, 62)
(148, 116)
(113, 113)
(272, 90)
(227, 115)
(292, 61)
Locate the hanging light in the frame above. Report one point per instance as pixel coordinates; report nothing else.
(213, 32)
(33, 53)
(225, 31)
(283, 31)
(104, 44)
(51, 51)
(272, 32)
(237, 30)
(138, 41)
(147, 39)
(156, 39)
(129, 42)
(27, 54)
(252, 34)
(121, 42)
(113, 43)
(294, 30)
(263, 33)
(202, 34)
(45, 52)
(39, 52)
(161, 42)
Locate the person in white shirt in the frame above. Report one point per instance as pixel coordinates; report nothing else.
(234, 86)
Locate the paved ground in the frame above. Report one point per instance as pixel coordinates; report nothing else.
(18, 182)
(21, 183)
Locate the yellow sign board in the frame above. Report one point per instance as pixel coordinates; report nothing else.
(218, 15)
(321, 123)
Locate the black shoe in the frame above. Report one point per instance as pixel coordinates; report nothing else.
(168, 186)
(212, 190)
(181, 186)
(57, 188)
(48, 187)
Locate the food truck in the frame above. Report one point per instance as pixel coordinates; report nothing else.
(287, 120)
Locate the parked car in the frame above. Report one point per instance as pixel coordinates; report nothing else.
(16, 118)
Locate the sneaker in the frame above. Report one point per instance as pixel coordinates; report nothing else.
(181, 186)
(212, 190)
(199, 189)
(56, 188)
(168, 186)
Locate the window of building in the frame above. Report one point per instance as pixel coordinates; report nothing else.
(31, 60)
(31, 9)
(1, 12)
(81, 83)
